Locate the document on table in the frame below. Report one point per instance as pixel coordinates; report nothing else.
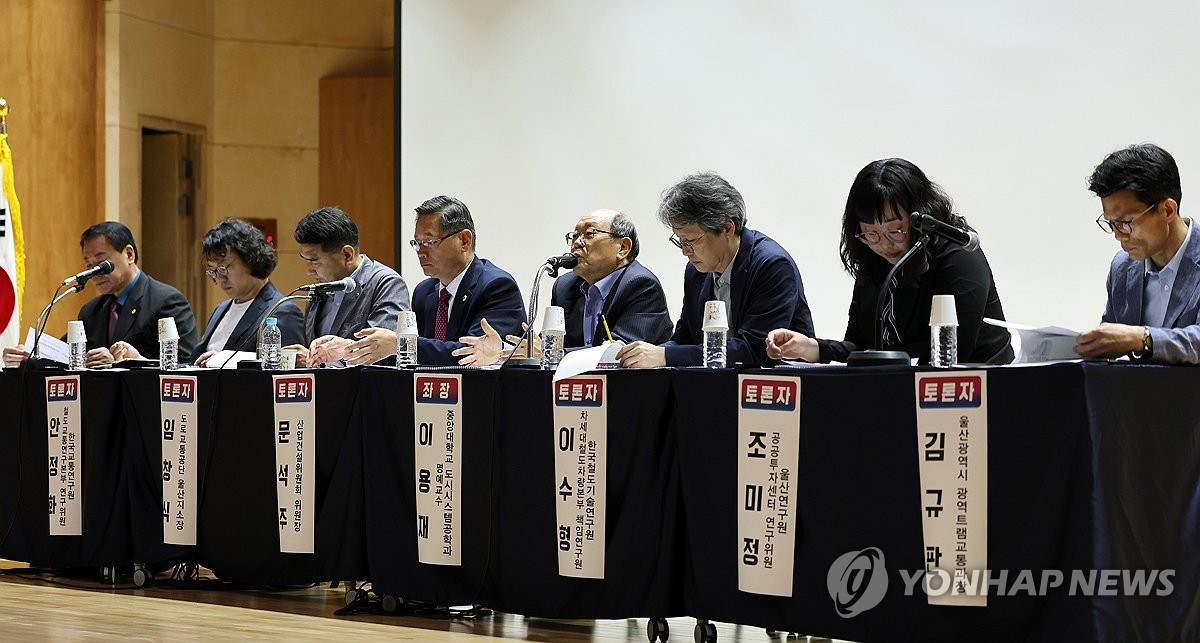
(49, 347)
(601, 357)
(228, 359)
(1041, 344)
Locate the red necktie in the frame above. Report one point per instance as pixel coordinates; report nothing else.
(113, 310)
(443, 316)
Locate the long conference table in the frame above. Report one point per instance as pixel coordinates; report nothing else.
(1091, 466)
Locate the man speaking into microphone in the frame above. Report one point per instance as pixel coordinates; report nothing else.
(329, 247)
(122, 320)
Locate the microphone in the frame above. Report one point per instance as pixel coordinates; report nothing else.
(346, 284)
(567, 261)
(80, 278)
(926, 224)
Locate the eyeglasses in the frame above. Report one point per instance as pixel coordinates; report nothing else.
(684, 244)
(222, 270)
(1124, 226)
(587, 235)
(872, 237)
(429, 243)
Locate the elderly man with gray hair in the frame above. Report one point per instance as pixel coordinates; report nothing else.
(755, 277)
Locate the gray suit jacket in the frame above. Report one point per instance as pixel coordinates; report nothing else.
(380, 294)
(1179, 341)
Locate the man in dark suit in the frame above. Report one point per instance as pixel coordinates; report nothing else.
(461, 296)
(755, 277)
(609, 283)
(329, 247)
(1154, 280)
(122, 321)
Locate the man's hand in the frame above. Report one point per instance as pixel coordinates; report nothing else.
(324, 349)
(521, 345)
(14, 355)
(480, 351)
(1110, 340)
(373, 345)
(98, 357)
(124, 350)
(642, 355)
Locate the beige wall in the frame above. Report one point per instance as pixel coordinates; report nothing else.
(55, 135)
(247, 72)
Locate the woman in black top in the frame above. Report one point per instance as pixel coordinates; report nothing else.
(875, 234)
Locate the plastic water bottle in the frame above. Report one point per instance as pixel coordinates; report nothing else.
(943, 332)
(552, 350)
(715, 327)
(943, 345)
(77, 344)
(406, 350)
(714, 349)
(272, 346)
(77, 355)
(168, 354)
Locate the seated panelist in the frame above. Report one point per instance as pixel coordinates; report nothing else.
(121, 321)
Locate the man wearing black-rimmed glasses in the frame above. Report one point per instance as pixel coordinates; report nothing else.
(1154, 280)
(610, 284)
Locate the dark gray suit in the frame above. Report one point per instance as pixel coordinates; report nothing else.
(380, 294)
(1179, 341)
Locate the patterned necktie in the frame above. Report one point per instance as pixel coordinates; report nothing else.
(593, 302)
(113, 311)
(443, 316)
(891, 333)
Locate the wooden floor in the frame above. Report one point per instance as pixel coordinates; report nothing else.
(39, 605)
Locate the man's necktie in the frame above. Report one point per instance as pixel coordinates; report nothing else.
(443, 316)
(113, 311)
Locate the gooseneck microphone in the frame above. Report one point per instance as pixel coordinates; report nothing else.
(926, 224)
(553, 264)
(80, 278)
(348, 284)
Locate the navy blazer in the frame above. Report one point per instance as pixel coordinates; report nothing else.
(1178, 342)
(636, 308)
(245, 335)
(137, 323)
(486, 291)
(766, 294)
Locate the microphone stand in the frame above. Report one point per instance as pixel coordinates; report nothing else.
(879, 357)
(527, 336)
(35, 359)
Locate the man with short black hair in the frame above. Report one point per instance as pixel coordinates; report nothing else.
(122, 321)
(329, 247)
(1154, 280)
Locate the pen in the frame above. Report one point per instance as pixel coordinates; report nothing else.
(606, 329)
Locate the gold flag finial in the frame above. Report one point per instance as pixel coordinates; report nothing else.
(3, 116)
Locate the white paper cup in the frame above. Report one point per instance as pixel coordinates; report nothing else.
(406, 323)
(287, 359)
(714, 316)
(75, 332)
(167, 330)
(943, 313)
(554, 321)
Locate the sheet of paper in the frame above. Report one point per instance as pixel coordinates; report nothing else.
(228, 359)
(1041, 344)
(49, 347)
(601, 357)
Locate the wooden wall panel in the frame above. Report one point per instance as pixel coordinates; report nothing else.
(52, 74)
(357, 158)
